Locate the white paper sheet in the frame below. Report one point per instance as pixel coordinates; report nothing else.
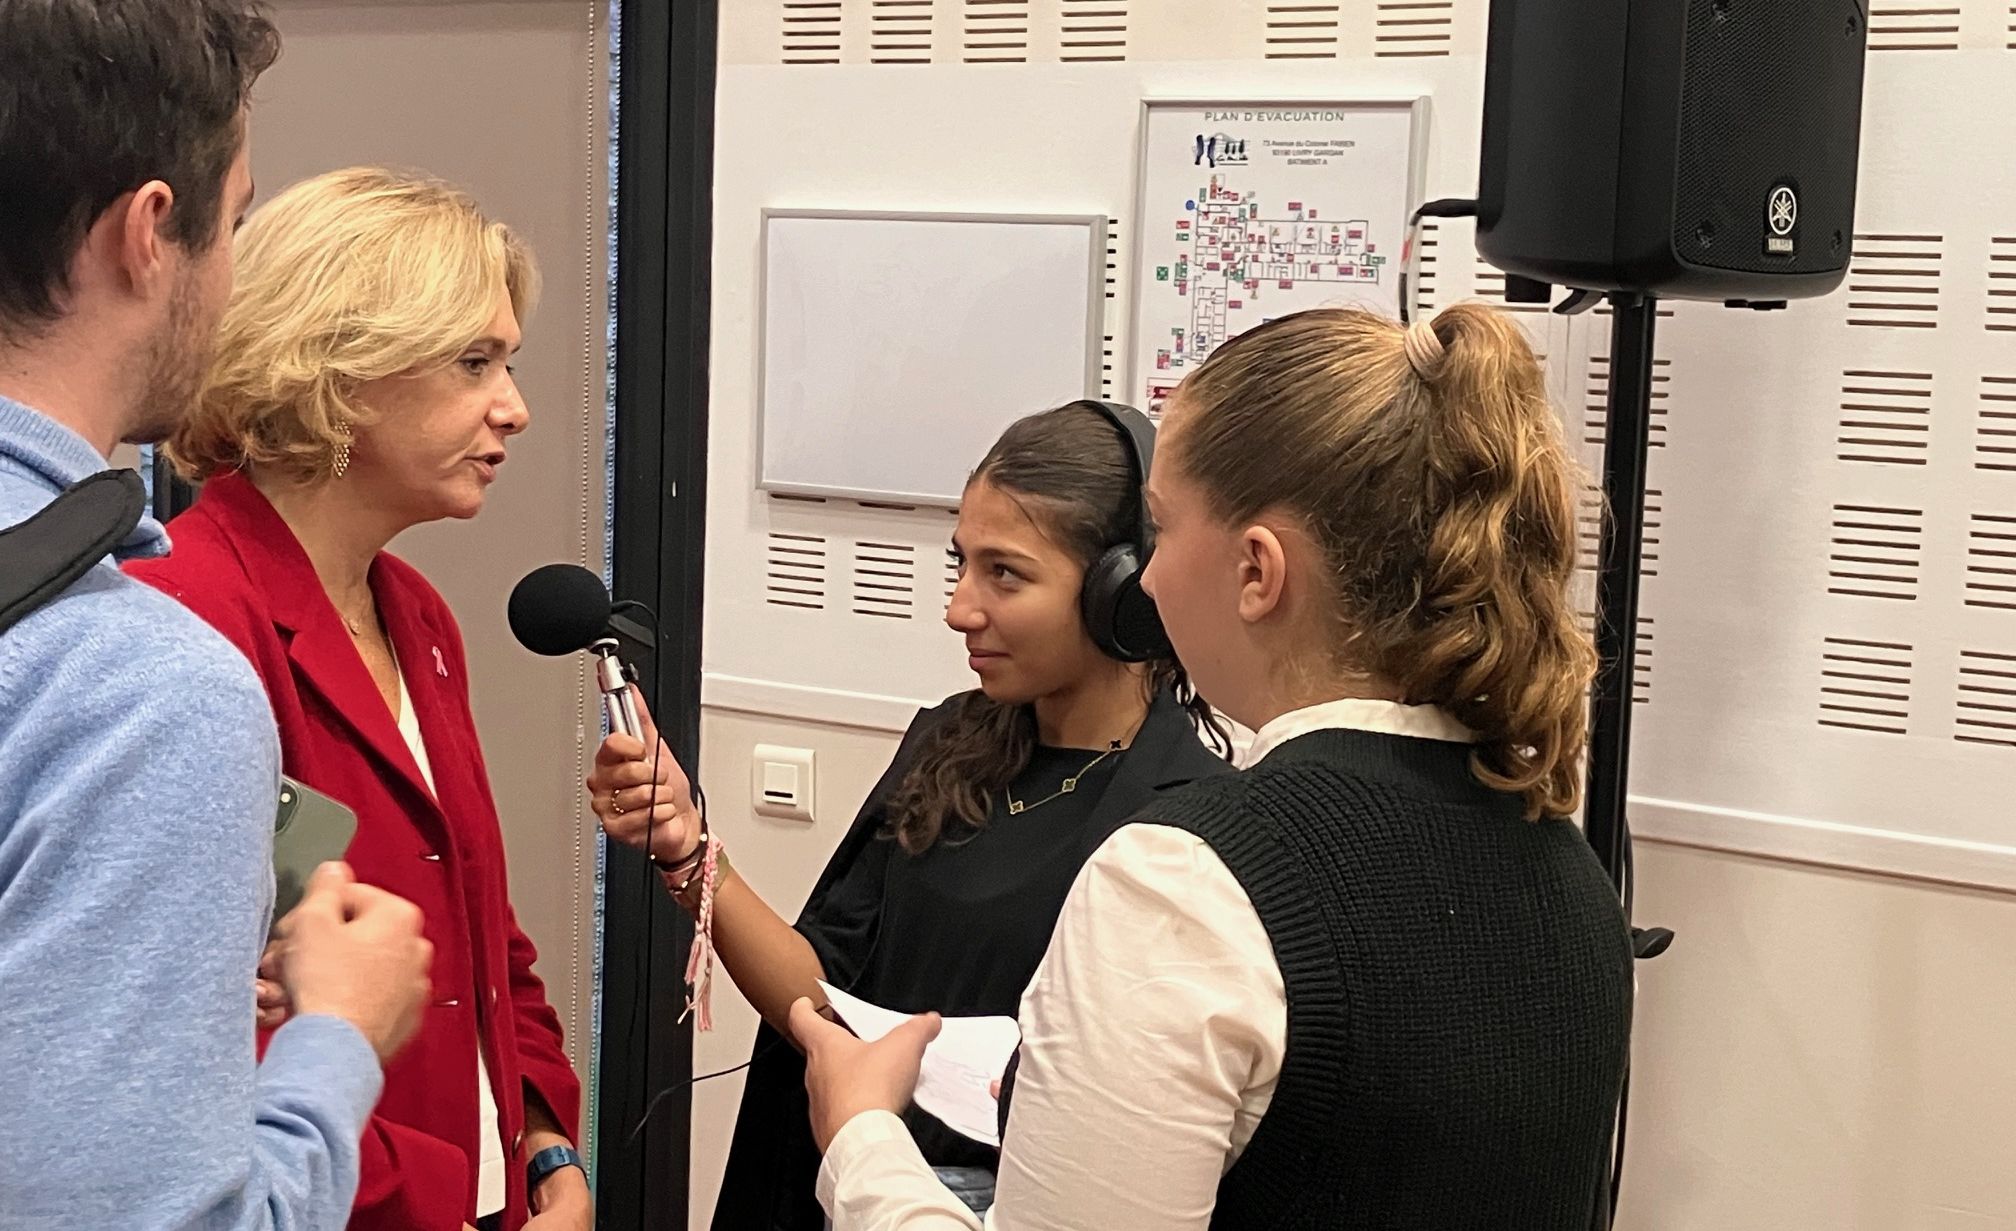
(960, 1065)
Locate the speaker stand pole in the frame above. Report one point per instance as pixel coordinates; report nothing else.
(1624, 450)
(1626, 439)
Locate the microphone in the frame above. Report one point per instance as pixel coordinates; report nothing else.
(561, 609)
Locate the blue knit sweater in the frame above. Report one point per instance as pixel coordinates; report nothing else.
(138, 769)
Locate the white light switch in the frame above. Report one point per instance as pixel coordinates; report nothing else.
(781, 782)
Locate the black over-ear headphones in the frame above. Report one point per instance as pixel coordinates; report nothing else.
(1119, 615)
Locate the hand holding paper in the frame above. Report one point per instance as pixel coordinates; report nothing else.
(846, 1076)
(953, 1069)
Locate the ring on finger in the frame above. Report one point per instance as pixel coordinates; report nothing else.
(616, 801)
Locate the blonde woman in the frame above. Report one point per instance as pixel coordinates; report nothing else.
(361, 386)
(1378, 979)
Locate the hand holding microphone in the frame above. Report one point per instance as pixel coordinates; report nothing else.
(654, 814)
(637, 788)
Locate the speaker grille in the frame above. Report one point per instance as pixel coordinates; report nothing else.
(1768, 95)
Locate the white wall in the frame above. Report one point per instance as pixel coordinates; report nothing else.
(1818, 1049)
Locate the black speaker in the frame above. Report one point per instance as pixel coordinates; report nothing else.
(1693, 149)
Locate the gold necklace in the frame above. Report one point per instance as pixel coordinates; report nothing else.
(1016, 807)
(356, 623)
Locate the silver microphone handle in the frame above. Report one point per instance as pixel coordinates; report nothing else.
(623, 712)
(619, 703)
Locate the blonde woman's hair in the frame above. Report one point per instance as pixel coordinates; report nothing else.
(1433, 475)
(345, 278)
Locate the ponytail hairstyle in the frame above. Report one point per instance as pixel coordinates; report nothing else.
(1069, 471)
(1432, 474)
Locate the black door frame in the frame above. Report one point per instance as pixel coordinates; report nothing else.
(664, 227)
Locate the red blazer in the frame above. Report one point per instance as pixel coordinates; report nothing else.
(236, 564)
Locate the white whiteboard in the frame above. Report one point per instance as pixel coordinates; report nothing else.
(897, 347)
(1247, 211)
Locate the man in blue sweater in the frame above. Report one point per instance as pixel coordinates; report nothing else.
(138, 761)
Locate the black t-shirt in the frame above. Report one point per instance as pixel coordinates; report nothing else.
(960, 928)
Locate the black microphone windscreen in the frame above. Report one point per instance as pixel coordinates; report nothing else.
(559, 609)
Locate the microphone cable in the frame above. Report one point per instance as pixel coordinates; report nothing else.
(782, 1036)
(1447, 207)
(654, 891)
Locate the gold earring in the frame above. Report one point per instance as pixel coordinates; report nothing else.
(342, 456)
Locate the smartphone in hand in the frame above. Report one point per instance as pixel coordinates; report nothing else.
(309, 830)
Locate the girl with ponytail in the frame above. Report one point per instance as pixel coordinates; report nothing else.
(1377, 979)
(942, 895)
(1426, 476)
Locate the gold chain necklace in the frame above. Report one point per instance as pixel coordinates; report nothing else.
(356, 623)
(1016, 807)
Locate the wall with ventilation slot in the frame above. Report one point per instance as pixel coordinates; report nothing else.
(1823, 472)
(1827, 659)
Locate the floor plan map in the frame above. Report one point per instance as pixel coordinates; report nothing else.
(1236, 247)
(1244, 222)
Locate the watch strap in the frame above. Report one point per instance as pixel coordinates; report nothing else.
(548, 1161)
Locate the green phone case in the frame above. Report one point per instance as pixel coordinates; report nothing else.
(310, 830)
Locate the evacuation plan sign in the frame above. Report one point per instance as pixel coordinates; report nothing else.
(1247, 213)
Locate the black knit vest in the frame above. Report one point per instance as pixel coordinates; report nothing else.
(1459, 992)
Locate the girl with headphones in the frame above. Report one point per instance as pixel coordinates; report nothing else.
(943, 894)
(1377, 979)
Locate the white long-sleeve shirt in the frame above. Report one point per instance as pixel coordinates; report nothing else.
(1153, 1035)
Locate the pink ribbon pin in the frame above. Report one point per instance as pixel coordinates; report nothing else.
(440, 665)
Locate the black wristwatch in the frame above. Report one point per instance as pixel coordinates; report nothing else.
(548, 1161)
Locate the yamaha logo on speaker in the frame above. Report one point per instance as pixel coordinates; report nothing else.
(1781, 213)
